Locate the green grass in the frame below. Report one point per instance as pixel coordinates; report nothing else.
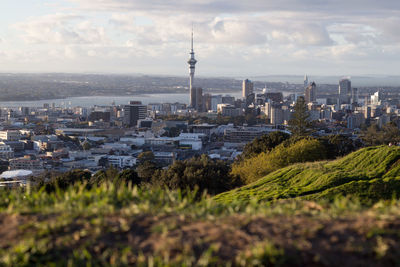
(371, 174)
(307, 223)
(120, 226)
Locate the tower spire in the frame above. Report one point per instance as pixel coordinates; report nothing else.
(192, 37)
(192, 65)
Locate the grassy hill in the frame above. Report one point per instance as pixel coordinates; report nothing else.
(110, 225)
(125, 226)
(371, 173)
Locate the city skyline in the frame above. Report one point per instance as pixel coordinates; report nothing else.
(233, 38)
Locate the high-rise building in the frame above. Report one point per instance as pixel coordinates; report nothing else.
(305, 81)
(344, 91)
(250, 99)
(133, 112)
(276, 97)
(311, 93)
(196, 98)
(376, 98)
(199, 99)
(276, 115)
(192, 65)
(247, 88)
(215, 100)
(354, 95)
(227, 99)
(207, 102)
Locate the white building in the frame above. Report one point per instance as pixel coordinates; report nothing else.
(121, 161)
(194, 140)
(376, 98)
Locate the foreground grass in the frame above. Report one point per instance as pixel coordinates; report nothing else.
(111, 225)
(371, 174)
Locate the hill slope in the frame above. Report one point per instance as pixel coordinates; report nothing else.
(371, 173)
(125, 226)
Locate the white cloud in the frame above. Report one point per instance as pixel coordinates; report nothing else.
(60, 29)
(233, 36)
(362, 7)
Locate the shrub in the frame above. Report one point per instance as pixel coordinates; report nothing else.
(283, 155)
(200, 173)
(264, 143)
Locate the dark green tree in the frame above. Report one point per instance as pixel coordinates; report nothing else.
(63, 181)
(146, 156)
(86, 146)
(201, 172)
(391, 133)
(128, 176)
(339, 145)
(147, 166)
(374, 135)
(104, 175)
(264, 143)
(300, 124)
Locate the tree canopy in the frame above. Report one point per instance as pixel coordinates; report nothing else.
(299, 124)
(200, 173)
(264, 143)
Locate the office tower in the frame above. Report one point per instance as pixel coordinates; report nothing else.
(207, 102)
(196, 98)
(305, 81)
(133, 112)
(344, 91)
(215, 100)
(276, 115)
(354, 96)
(311, 93)
(367, 112)
(192, 64)
(227, 99)
(247, 88)
(199, 99)
(376, 98)
(250, 99)
(275, 97)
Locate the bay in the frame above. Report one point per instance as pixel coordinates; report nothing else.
(90, 101)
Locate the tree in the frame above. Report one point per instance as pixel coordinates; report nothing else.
(63, 181)
(201, 172)
(339, 145)
(86, 146)
(391, 133)
(147, 166)
(264, 143)
(104, 175)
(374, 135)
(146, 156)
(128, 176)
(300, 124)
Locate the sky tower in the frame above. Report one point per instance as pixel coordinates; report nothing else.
(192, 63)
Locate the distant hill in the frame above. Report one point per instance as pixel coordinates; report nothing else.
(370, 174)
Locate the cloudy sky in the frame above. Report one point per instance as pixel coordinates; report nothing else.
(232, 37)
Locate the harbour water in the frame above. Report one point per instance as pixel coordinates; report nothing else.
(90, 101)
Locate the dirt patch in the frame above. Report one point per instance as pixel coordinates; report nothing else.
(10, 228)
